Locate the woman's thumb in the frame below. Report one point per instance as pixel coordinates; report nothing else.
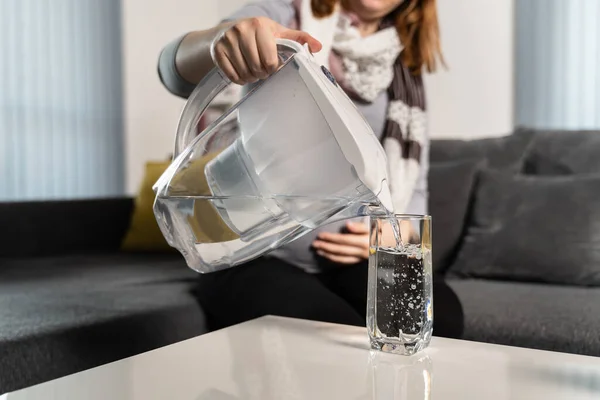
(302, 38)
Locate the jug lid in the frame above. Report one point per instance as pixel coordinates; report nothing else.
(356, 138)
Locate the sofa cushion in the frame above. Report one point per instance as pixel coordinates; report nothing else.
(61, 315)
(507, 152)
(450, 185)
(539, 316)
(526, 228)
(557, 152)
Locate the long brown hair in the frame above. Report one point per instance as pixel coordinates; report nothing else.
(418, 29)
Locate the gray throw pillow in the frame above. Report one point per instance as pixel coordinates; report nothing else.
(554, 152)
(504, 153)
(541, 229)
(450, 188)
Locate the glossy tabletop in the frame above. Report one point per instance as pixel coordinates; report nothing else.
(280, 358)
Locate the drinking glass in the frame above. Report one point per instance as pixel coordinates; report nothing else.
(400, 297)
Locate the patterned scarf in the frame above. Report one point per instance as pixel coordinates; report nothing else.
(364, 67)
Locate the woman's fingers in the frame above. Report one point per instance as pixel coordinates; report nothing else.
(234, 53)
(339, 249)
(336, 245)
(223, 62)
(301, 37)
(361, 241)
(339, 259)
(227, 63)
(267, 49)
(250, 51)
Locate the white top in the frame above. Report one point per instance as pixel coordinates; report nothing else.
(280, 358)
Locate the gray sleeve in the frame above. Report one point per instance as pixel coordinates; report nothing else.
(280, 11)
(167, 71)
(420, 198)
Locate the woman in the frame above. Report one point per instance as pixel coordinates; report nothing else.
(377, 50)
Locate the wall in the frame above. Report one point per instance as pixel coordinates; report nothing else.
(474, 96)
(151, 113)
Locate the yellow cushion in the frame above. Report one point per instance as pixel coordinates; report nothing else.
(144, 233)
(205, 222)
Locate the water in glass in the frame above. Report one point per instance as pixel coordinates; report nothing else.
(400, 301)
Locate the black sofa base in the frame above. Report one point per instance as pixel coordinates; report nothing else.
(64, 314)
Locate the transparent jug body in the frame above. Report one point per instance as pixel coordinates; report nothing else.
(262, 175)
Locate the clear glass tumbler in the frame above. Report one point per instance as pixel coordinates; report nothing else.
(400, 294)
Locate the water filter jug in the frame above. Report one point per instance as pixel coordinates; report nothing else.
(293, 154)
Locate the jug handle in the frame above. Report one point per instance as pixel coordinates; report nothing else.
(205, 92)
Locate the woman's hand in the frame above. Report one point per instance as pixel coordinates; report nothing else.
(345, 248)
(246, 51)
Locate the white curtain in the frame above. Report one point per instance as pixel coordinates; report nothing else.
(61, 117)
(558, 64)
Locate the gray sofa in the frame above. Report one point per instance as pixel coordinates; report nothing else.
(516, 230)
(71, 300)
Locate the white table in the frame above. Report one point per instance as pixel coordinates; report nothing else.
(281, 358)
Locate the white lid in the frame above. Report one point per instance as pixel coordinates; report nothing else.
(353, 133)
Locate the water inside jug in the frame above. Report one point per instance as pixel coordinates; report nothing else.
(293, 154)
